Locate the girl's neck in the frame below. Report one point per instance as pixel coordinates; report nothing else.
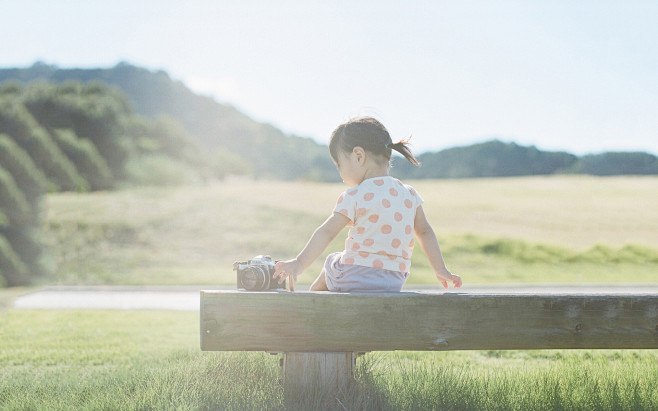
(374, 170)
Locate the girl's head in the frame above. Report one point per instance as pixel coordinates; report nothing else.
(371, 136)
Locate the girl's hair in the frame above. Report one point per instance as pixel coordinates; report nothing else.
(369, 134)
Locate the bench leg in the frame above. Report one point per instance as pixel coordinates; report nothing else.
(324, 370)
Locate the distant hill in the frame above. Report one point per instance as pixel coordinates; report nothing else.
(492, 158)
(240, 140)
(216, 126)
(499, 159)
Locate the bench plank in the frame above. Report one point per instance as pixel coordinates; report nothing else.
(333, 322)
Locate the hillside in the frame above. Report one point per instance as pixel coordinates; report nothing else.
(75, 137)
(217, 127)
(498, 159)
(246, 146)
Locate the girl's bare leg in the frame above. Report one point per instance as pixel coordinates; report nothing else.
(320, 283)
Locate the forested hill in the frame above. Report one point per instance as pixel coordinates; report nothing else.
(247, 146)
(498, 159)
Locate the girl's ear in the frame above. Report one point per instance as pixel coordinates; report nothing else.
(359, 154)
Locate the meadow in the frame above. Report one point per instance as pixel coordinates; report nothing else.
(539, 229)
(572, 230)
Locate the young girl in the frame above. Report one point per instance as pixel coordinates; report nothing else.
(384, 215)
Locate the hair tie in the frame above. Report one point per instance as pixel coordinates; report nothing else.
(387, 145)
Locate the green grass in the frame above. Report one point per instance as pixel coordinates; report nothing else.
(117, 360)
(504, 260)
(539, 229)
(121, 360)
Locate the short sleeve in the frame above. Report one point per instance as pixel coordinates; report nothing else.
(419, 199)
(346, 204)
(415, 200)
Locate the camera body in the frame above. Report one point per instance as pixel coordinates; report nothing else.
(257, 274)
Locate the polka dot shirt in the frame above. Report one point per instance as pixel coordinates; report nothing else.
(382, 212)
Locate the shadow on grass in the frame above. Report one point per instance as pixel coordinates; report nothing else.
(385, 383)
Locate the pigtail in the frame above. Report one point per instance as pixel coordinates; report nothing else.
(401, 147)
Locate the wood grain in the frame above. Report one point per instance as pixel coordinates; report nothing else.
(331, 322)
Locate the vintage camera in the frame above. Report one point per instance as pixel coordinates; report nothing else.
(256, 274)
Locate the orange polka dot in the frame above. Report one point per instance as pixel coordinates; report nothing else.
(392, 257)
(396, 243)
(355, 246)
(340, 199)
(364, 254)
(379, 182)
(403, 267)
(408, 229)
(405, 254)
(344, 212)
(373, 218)
(369, 196)
(408, 203)
(393, 192)
(382, 252)
(412, 242)
(398, 217)
(349, 260)
(360, 230)
(386, 203)
(353, 192)
(368, 242)
(386, 229)
(378, 264)
(413, 193)
(361, 211)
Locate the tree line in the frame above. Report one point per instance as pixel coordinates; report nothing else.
(499, 159)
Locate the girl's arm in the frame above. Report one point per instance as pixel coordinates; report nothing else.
(430, 246)
(318, 242)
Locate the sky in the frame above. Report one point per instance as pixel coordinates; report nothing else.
(579, 76)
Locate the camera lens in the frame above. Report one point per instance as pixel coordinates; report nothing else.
(254, 279)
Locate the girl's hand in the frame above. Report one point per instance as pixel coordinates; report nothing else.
(283, 269)
(444, 276)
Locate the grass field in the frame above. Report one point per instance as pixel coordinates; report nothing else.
(117, 360)
(554, 229)
(539, 229)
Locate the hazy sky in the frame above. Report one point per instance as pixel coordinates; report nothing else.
(572, 75)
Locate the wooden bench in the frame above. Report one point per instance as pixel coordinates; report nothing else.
(319, 332)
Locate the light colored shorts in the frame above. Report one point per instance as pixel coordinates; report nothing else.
(348, 277)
